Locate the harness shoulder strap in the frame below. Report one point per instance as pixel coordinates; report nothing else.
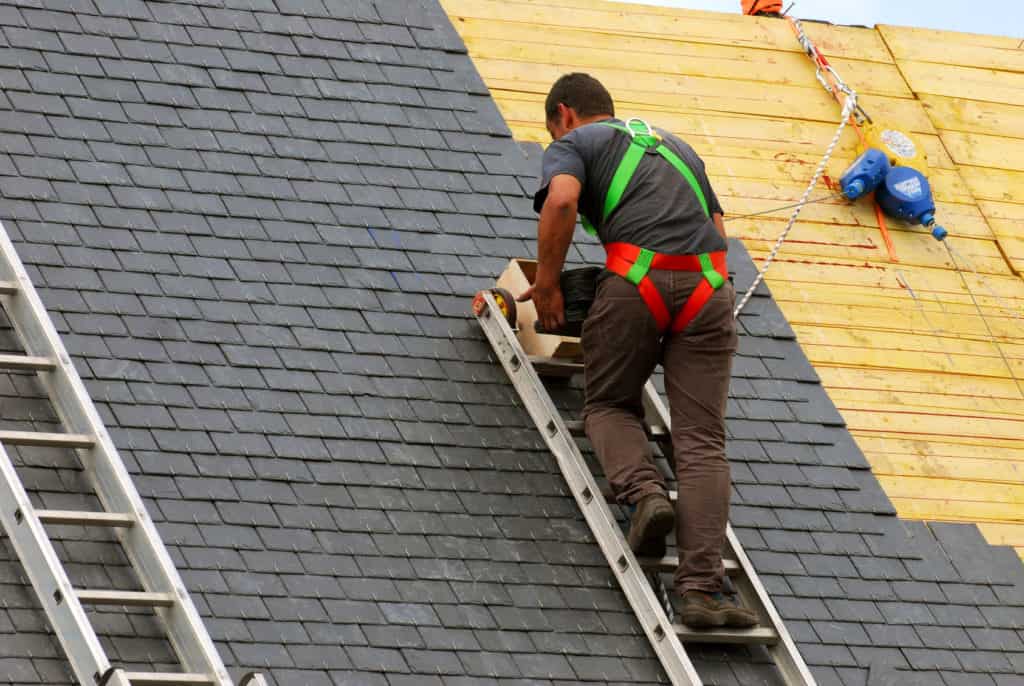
(641, 140)
(681, 167)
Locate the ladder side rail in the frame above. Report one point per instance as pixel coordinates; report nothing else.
(621, 560)
(110, 478)
(785, 653)
(46, 573)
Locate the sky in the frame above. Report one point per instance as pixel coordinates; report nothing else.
(1002, 17)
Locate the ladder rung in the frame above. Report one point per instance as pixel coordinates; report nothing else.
(610, 499)
(167, 679)
(129, 598)
(669, 564)
(655, 433)
(111, 519)
(756, 635)
(8, 361)
(8, 288)
(37, 438)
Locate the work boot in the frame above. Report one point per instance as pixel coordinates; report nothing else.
(709, 610)
(650, 523)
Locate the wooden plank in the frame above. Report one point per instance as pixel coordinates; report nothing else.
(974, 116)
(916, 360)
(941, 47)
(696, 25)
(926, 316)
(840, 316)
(915, 246)
(942, 286)
(915, 389)
(592, 50)
(696, 93)
(927, 426)
(1001, 185)
(942, 38)
(796, 170)
(964, 82)
(707, 130)
(1007, 222)
(980, 150)
(996, 471)
(909, 351)
(956, 491)
(946, 510)
(1009, 451)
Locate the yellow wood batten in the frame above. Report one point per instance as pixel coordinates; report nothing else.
(923, 385)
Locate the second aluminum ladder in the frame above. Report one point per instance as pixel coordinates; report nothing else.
(123, 512)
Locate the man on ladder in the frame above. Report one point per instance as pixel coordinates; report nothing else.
(664, 298)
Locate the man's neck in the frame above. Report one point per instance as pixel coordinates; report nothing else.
(595, 118)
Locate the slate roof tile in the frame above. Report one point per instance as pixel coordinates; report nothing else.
(231, 280)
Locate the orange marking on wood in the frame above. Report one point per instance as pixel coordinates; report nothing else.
(866, 265)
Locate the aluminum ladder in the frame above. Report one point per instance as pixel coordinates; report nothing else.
(124, 512)
(639, 578)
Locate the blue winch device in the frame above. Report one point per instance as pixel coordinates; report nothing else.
(902, 192)
(865, 174)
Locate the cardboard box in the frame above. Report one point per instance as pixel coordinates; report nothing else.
(516, 278)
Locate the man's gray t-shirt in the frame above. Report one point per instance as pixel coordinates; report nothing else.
(658, 210)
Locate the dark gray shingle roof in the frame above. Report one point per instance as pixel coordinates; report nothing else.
(258, 224)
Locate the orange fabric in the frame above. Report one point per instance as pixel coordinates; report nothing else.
(756, 6)
(621, 257)
(627, 253)
(693, 305)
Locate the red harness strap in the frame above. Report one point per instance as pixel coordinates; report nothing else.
(632, 263)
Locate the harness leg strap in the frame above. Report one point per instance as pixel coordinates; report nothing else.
(715, 276)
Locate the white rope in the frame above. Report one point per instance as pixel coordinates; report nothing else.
(848, 107)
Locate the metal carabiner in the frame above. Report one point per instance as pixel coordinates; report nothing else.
(633, 133)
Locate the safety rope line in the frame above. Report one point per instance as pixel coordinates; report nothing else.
(826, 198)
(991, 334)
(848, 107)
(902, 280)
(1001, 302)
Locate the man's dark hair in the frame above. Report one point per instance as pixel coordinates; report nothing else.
(582, 92)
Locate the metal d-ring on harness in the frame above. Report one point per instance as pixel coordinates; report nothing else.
(632, 262)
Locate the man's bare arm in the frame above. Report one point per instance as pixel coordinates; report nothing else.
(555, 228)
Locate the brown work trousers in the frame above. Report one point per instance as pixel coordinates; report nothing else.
(621, 347)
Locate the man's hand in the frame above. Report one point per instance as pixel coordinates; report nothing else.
(550, 306)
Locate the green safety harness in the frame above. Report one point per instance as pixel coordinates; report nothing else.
(632, 262)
